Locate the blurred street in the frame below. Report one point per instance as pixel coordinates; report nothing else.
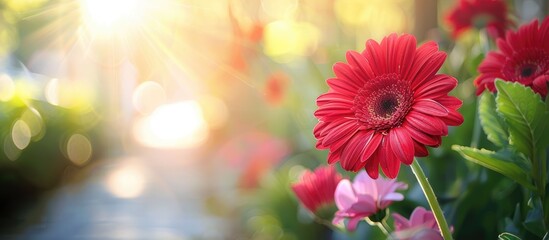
(138, 196)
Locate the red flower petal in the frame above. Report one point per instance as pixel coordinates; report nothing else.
(350, 155)
(450, 102)
(372, 165)
(420, 150)
(341, 132)
(401, 145)
(371, 145)
(333, 157)
(346, 73)
(343, 87)
(333, 109)
(364, 69)
(430, 107)
(427, 124)
(390, 165)
(385, 105)
(375, 56)
(420, 136)
(437, 86)
(454, 118)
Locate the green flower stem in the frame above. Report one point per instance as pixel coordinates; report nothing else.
(476, 126)
(431, 199)
(382, 225)
(484, 42)
(542, 159)
(387, 227)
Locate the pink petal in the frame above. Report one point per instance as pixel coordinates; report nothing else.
(366, 205)
(400, 222)
(344, 195)
(418, 216)
(353, 223)
(363, 184)
(393, 197)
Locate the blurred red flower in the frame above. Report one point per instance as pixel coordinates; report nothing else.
(385, 105)
(523, 57)
(275, 87)
(316, 189)
(255, 153)
(489, 14)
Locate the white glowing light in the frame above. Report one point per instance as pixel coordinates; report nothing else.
(148, 96)
(126, 182)
(21, 134)
(51, 92)
(176, 125)
(215, 111)
(7, 88)
(106, 16)
(79, 149)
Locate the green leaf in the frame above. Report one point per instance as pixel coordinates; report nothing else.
(534, 218)
(492, 124)
(525, 114)
(501, 163)
(511, 225)
(508, 236)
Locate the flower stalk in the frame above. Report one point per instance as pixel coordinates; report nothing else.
(381, 224)
(431, 199)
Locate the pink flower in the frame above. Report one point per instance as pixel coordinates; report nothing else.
(316, 189)
(364, 197)
(421, 226)
(385, 105)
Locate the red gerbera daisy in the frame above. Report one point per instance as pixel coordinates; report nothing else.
(489, 14)
(523, 57)
(316, 189)
(385, 105)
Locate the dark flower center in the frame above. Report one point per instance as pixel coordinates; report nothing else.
(383, 102)
(528, 70)
(481, 20)
(525, 65)
(387, 106)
